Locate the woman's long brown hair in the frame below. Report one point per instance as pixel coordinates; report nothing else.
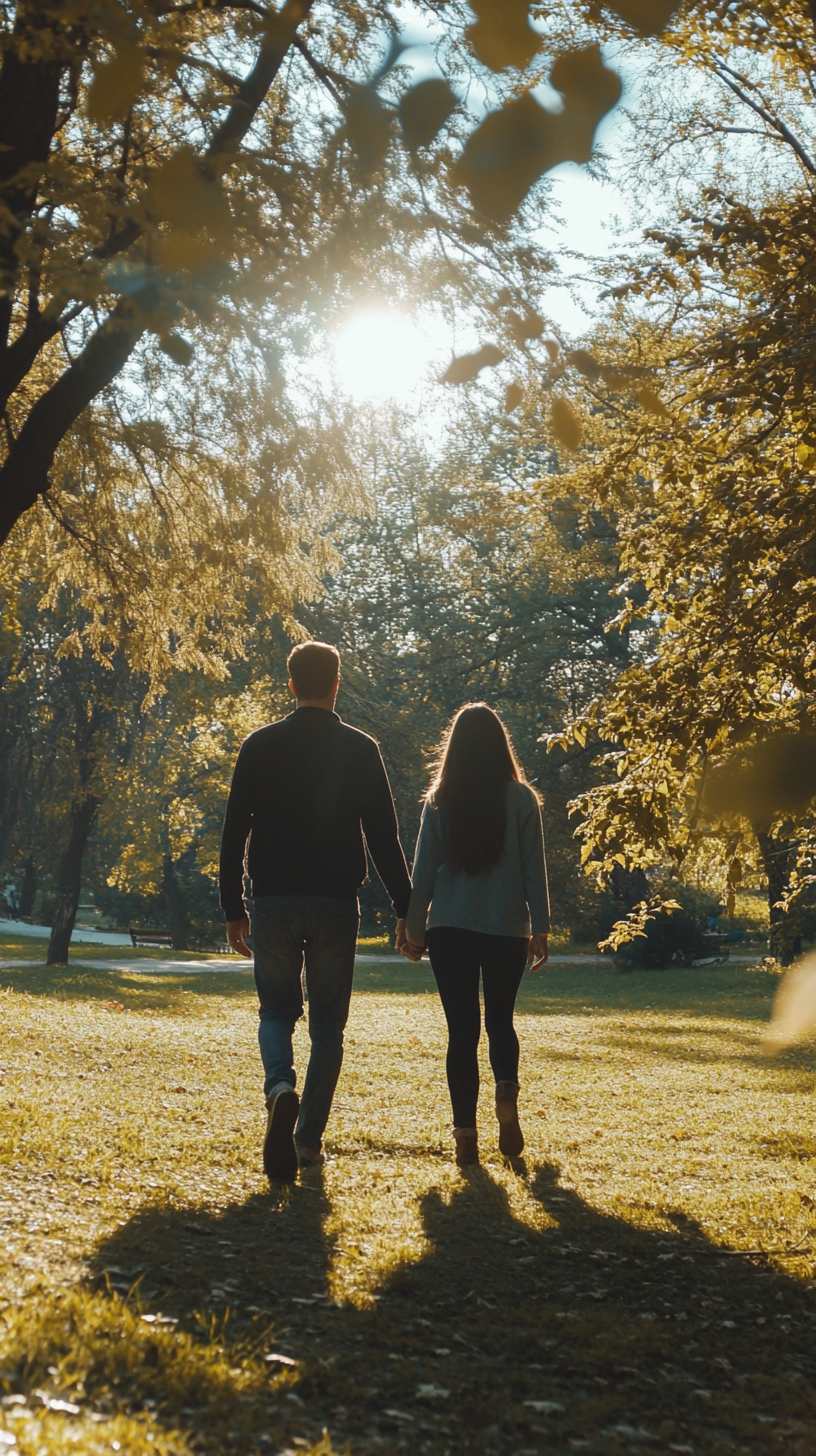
(476, 763)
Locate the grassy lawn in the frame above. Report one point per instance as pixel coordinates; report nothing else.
(642, 1280)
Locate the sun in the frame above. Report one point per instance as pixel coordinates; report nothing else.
(382, 354)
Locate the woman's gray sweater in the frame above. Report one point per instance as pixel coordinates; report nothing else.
(510, 899)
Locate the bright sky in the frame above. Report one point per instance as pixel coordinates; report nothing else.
(381, 353)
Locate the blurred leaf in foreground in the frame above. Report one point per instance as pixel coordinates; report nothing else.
(794, 1009)
(367, 130)
(513, 147)
(177, 348)
(192, 204)
(585, 363)
(647, 17)
(776, 777)
(503, 36)
(467, 366)
(424, 110)
(529, 327)
(116, 84)
(651, 402)
(514, 394)
(565, 424)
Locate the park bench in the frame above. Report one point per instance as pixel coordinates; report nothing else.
(149, 935)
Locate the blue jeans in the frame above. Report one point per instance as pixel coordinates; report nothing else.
(322, 931)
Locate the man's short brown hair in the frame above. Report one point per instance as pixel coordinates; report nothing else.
(313, 668)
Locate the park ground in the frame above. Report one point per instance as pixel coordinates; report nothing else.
(643, 1280)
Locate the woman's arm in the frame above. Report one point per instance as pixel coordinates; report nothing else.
(427, 859)
(534, 866)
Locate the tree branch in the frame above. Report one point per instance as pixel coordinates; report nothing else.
(24, 476)
(731, 79)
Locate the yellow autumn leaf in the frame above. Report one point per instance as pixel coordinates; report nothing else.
(565, 424)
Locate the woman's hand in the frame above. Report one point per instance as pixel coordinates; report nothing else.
(538, 952)
(412, 950)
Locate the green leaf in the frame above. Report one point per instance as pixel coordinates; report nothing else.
(424, 110)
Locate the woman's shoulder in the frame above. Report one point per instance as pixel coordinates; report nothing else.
(522, 796)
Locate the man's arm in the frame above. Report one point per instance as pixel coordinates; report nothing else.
(379, 819)
(237, 825)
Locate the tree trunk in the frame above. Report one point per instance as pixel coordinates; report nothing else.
(785, 942)
(176, 919)
(29, 889)
(83, 815)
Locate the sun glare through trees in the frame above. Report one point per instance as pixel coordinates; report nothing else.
(385, 355)
(407, 727)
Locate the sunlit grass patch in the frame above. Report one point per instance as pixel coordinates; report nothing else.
(662, 1220)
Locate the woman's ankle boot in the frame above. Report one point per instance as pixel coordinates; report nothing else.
(511, 1137)
(467, 1146)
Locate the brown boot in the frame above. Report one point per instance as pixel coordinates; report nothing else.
(467, 1146)
(511, 1137)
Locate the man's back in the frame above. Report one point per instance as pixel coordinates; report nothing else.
(302, 789)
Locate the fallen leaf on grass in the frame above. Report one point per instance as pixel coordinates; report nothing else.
(277, 1359)
(113, 1005)
(432, 1392)
(545, 1407)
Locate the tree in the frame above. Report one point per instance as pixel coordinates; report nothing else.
(695, 405)
(169, 167)
(450, 591)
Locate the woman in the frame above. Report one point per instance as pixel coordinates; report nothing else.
(479, 864)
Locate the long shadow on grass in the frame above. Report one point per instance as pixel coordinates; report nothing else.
(504, 1339)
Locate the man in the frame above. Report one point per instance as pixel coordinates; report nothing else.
(305, 791)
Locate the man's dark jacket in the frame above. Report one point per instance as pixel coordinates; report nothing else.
(304, 792)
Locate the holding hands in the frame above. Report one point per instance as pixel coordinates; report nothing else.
(411, 949)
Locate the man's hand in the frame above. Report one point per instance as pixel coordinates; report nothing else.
(538, 952)
(412, 950)
(236, 930)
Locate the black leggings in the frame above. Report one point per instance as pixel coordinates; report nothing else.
(457, 956)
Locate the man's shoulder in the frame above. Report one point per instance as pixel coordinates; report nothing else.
(361, 745)
(267, 734)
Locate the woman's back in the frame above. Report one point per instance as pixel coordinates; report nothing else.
(502, 900)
